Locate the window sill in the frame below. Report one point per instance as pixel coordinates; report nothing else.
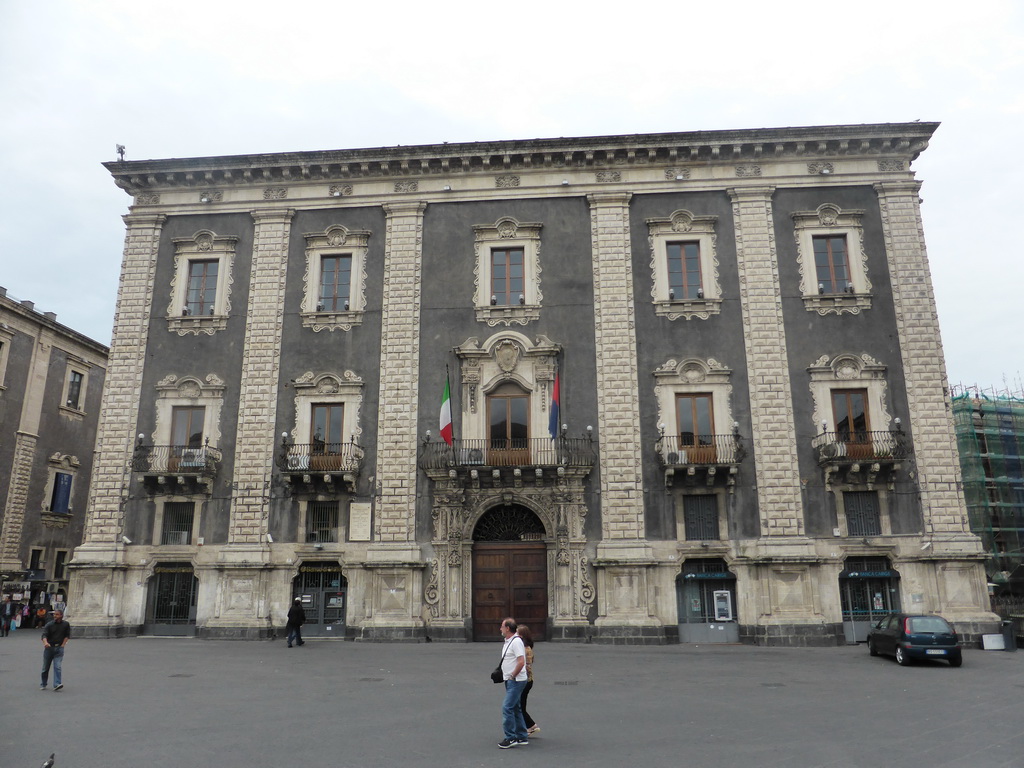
(74, 413)
(520, 314)
(838, 303)
(688, 309)
(208, 324)
(332, 321)
(55, 520)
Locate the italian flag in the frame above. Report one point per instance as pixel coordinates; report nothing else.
(446, 413)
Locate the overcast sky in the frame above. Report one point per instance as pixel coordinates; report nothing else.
(188, 79)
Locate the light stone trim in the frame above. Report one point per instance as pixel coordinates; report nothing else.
(848, 371)
(17, 500)
(344, 388)
(507, 232)
(395, 520)
(189, 390)
(622, 507)
(334, 241)
(771, 407)
(690, 376)
(830, 219)
(684, 226)
(261, 362)
(924, 368)
(203, 245)
(506, 356)
(115, 439)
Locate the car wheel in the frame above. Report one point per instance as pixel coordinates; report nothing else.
(901, 657)
(956, 661)
(871, 648)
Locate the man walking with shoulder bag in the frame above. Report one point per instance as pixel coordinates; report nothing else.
(513, 669)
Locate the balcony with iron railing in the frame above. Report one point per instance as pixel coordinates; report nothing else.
(180, 464)
(861, 451)
(320, 461)
(710, 456)
(486, 453)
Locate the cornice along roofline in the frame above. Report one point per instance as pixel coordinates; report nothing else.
(892, 140)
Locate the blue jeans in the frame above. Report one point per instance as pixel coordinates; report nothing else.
(511, 714)
(55, 656)
(295, 634)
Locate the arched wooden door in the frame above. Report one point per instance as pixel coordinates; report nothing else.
(509, 572)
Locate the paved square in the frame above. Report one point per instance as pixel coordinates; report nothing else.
(172, 702)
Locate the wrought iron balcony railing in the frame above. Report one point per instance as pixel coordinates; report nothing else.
(853, 447)
(527, 452)
(700, 450)
(320, 457)
(181, 460)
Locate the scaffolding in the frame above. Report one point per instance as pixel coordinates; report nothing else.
(990, 438)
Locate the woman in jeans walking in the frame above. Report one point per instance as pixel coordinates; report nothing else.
(524, 632)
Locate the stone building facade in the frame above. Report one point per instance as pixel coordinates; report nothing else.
(697, 393)
(51, 378)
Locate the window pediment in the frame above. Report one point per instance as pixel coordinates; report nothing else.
(505, 235)
(203, 246)
(829, 220)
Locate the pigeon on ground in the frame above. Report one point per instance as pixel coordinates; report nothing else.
(49, 762)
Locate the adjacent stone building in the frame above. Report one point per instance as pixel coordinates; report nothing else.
(696, 385)
(51, 378)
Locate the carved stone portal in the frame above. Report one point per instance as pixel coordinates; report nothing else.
(460, 500)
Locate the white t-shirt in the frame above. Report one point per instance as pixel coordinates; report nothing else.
(513, 651)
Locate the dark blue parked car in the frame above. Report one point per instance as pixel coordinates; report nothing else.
(910, 636)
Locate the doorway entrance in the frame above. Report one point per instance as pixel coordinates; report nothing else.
(509, 572)
(706, 592)
(171, 602)
(323, 590)
(868, 589)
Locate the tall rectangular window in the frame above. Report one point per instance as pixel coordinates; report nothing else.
(862, 515)
(684, 278)
(507, 276)
(201, 293)
(60, 497)
(850, 410)
(35, 560)
(831, 264)
(60, 565)
(187, 426)
(335, 284)
(700, 514)
(322, 522)
(75, 379)
(328, 425)
(178, 516)
(696, 422)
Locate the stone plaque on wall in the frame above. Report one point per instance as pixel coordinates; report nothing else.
(359, 521)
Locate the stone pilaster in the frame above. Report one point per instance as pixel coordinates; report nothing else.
(771, 406)
(924, 368)
(395, 582)
(399, 374)
(17, 499)
(624, 559)
(96, 570)
(261, 362)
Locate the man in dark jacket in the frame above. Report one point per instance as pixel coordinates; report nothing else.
(55, 636)
(296, 618)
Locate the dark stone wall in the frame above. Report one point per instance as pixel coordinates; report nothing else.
(660, 339)
(198, 356)
(566, 314)
(810, 335)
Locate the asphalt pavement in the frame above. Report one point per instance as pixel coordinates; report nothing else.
(159, 702)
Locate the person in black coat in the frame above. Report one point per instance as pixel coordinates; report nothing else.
(296, 618)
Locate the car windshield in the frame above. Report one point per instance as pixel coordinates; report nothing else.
(929, 624)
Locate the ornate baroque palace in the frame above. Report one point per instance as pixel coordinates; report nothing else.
(696, 387)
